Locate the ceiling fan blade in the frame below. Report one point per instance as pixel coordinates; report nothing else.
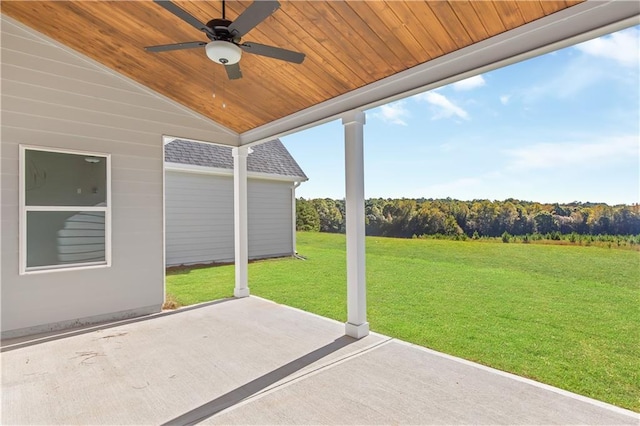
(185, 16)
(233, 71)
(257, 12)
(273, 52)
(176, 46)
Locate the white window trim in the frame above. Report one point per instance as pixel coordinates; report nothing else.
(24, 209)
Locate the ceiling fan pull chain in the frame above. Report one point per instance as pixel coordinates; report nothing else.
(224, 104)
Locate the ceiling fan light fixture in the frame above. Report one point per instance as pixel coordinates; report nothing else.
(223, 52)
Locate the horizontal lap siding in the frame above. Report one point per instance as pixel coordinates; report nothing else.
(199, 218)
(53, 97)
(270, 222)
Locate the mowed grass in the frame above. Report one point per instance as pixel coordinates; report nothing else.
(564, 315)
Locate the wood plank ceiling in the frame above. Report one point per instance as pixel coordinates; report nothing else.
(348, 45)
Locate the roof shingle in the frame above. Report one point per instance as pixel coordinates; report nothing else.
(270, 157)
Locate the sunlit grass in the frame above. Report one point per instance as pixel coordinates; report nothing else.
(566, 316)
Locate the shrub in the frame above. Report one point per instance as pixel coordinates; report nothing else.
(307, 218)
(506, 237)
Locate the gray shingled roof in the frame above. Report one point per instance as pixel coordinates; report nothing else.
(270, 157)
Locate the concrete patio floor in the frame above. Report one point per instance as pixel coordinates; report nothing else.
(251, 361)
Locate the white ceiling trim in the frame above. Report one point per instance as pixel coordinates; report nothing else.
(575, 24)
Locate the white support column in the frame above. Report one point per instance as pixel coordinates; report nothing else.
(357, 325)
(240, 221)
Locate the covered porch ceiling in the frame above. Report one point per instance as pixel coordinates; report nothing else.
(359, 54)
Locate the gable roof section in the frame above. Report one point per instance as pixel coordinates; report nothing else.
(268, 158)
(349, 45)
(360, 54)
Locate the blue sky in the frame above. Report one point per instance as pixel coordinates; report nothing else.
(557, 128)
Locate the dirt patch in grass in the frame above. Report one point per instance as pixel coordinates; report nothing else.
(170, 303)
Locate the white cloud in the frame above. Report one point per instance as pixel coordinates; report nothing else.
(504, 99)
(569, 154)
(584, 71)
(393, 113)
(577, 76)
(447, 147)
(469, 83)
(622, 47)
(443, 107)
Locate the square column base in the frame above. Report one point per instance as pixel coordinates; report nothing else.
(356, 331)
(243, 292)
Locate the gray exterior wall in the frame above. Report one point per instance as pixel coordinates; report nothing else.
(270, 218)
(54, 97)
(199, 218)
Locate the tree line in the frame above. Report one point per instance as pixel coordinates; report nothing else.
(406, 218)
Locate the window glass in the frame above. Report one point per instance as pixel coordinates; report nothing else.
(63, 179)
(68, 237)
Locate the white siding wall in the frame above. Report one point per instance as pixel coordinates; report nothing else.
(199, 218)
(52, 96)
(270, 221)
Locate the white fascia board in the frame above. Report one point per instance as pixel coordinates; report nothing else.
(219, 171)
(167, 139)
(575, 24)
(281, 178)
(191, 168)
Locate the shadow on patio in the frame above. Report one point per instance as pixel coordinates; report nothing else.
(251, 361)
(261, 383)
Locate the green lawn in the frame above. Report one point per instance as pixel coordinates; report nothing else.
(568, 316)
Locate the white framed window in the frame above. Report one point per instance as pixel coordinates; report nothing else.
(65, 209)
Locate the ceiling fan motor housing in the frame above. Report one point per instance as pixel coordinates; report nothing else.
(220, 27)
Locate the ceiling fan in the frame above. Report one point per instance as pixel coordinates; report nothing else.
(225, 46)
